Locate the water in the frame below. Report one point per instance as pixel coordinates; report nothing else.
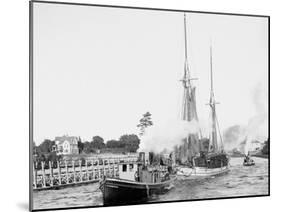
(240, 181)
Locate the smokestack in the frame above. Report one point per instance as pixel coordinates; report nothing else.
(151, 157)
(142, 157)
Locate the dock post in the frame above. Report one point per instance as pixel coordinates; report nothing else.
(87, 171)
(35, 175)
(113, 171)
(104, 171)
(93, 170)
(66, 172)
(59, 172)
(117, 168)
(74, 174)
(43, 173)
(81, 173)
(108, 167)
(99, 170)
(51, 175)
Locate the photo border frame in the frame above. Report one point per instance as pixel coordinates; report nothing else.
(31, 71)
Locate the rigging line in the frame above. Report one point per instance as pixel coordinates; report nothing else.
(196, 118)
(211, 69)
(200, 131)
(187, 75)
(185, 40)
(219, 130)
(183, 112)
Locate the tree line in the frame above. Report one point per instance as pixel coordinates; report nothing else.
(126, 143)
(129, 143)
(265, 149)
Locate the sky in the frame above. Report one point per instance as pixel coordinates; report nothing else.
(97, 70)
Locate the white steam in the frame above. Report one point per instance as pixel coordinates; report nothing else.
(158, 138)
(257, 127)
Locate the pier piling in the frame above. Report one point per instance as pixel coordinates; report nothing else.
(66, 173)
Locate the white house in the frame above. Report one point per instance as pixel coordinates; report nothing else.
(66, 145)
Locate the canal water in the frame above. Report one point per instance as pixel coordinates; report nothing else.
(240, 181)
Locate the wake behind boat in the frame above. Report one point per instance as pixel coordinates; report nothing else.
(198, 156)
(137, 182)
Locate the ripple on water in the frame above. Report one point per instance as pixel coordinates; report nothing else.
(240, 181)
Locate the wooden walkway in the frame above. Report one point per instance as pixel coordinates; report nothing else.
(71, 173)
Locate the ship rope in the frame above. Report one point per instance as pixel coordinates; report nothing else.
(219, 131)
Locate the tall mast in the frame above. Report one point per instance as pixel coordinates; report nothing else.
(186, 76)
(188, 110)
(185, 80)
(213, 140)
(190, 146)
(211, 69)
(185, 43)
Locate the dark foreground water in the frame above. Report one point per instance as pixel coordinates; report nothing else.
(240, 181)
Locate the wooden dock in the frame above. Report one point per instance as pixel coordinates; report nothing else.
(60, 174)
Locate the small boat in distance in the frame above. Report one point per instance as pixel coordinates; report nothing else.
(136, 183)
(198, 156)
(248, 161)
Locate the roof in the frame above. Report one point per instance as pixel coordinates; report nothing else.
(70, 139)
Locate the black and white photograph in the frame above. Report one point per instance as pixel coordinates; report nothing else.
(139, 105)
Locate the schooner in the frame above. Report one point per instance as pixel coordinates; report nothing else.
(199, 156)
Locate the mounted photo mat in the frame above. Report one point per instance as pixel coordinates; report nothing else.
(145, 105)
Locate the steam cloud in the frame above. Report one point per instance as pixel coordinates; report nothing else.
(257, 127)
(165, 137)
(159, 138)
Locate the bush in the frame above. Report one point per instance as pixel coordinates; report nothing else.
(265, 149)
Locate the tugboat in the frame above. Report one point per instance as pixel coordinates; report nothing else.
(248, 161)
(136, 183)
(198, 156)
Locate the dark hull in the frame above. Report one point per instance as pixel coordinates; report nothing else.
(248, 163)
(120, 192)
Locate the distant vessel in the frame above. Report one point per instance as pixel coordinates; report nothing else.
(198, 156)
(248, 161)
(136, 183)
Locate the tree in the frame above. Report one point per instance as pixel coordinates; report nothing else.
(265, 148)
(145, 122)
(53, 157)
(34, 148)
(80, 145)
(130, 142)
(113, 144)
(87, 148)
(97, 142)
(46, 146)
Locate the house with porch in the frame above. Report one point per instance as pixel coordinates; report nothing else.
(66, 145)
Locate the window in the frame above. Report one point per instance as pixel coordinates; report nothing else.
(131, 167)
(124, 167)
